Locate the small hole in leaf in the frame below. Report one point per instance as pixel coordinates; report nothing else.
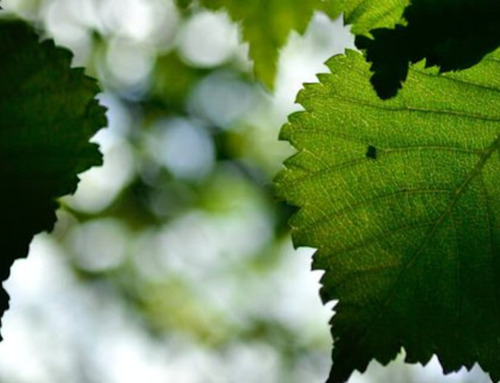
(371, 152)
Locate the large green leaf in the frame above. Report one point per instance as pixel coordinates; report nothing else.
(47, 115)
(400, 198)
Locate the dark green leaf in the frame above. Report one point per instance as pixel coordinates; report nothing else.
(47, 115)
(400, 198)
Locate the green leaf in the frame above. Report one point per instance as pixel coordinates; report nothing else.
(434, 31)
(365, 15)
(47, 115)
(400, 198)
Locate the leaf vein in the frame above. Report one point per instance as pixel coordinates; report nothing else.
(331, 217)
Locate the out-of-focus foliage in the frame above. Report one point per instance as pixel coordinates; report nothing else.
(173, 80)
(400, 199)
(48, 112)
(450, 34)
(267, 24)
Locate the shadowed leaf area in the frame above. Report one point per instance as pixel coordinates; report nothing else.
(450, 34)
(47, 116)
(400, 197)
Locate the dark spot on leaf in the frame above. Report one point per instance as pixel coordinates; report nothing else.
(371, 152)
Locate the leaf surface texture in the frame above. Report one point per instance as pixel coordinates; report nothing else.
(400, 198)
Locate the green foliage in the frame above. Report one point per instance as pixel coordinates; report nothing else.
(452, 34)
(47, 115)
(400, 199)
(398, 196)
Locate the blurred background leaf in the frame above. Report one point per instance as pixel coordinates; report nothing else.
(266, 25)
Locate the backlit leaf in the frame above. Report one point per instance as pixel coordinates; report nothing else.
(400, 198)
